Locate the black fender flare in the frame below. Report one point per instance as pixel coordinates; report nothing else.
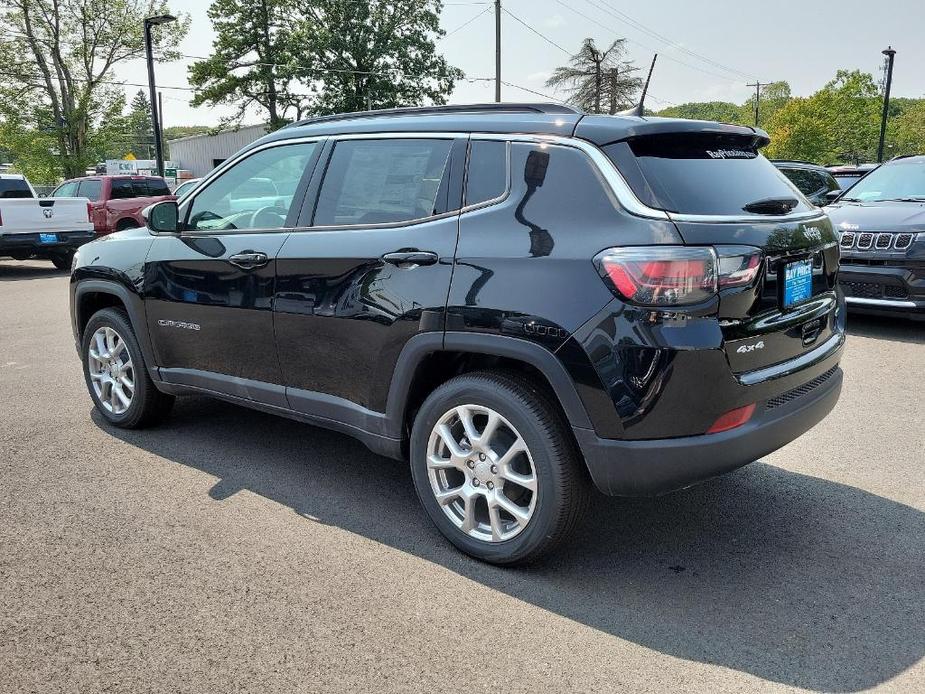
(134, 306)
(424, 344)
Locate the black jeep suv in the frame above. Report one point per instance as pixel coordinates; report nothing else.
(519, 298)
(881, 222)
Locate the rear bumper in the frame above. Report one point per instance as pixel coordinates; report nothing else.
(655, 466)
(31, 244)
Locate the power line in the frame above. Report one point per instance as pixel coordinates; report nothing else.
(646, 46)
(618, 14)
(465, 24)
(535, 31)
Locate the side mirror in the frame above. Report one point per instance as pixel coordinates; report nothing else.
(831, 196)
(162, 217)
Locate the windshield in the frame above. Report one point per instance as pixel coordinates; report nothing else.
(14, 188)
(898, 180)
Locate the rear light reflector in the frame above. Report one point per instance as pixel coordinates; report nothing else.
(732, 419)
(660, 275)
(738, 265)
(89, 211)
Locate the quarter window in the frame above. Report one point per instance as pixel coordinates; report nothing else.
(255, 193)
(486, 176)
(382, 181)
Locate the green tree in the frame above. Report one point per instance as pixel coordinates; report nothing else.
(906, 132)
(253, 61)
(840, 122)
(58, 56)
(596, 79)
(375, 54)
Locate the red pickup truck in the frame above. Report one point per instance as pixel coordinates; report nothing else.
(116, 202)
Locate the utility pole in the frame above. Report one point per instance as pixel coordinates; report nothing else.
(160, 114)
(498, 51)
(889, 53)
(757, 86)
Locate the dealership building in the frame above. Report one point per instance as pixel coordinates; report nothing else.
(199, 154)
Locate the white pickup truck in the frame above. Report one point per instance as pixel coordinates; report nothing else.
(47, 228)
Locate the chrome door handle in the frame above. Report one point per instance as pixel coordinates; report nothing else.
(411, 259)
(249, 260)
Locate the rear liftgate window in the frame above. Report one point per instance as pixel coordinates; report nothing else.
(700, 174)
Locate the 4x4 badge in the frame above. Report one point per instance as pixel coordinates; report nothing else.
(751, 348)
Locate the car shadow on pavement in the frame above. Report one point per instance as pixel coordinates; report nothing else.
(11, 271)
(885, 328)
(790, 578)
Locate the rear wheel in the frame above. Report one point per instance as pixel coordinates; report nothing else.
(496, 469)
(116, 373)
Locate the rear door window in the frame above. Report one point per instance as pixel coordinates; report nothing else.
(700, 174)
(92, 189)
(157, 186)
(122, 188)
(383, 181)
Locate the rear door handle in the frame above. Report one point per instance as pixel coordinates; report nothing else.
(249, 260)
(411, 259)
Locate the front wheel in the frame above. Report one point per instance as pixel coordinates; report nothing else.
(496, 469)
(116, 373)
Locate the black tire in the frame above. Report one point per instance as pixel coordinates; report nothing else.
(148, 404)
(63, 261)
(562, 481)
(126, 224)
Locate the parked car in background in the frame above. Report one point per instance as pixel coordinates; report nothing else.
(523, 299)
(849, 174)
(814, 181)
(48, 229)
(881, 224)
(116, 201)
(186, 187)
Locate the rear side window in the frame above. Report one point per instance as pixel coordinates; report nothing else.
(382, 181)
(122, 188)
(699, 174)
(157, 186)
(92, 190)
(486, 175)
(14, 188)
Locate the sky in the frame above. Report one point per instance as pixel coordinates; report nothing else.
(708, 51)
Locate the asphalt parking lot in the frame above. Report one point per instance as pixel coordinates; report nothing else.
(229, 550)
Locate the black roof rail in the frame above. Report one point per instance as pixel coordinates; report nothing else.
(547, 108)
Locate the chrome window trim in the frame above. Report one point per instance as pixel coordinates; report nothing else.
(608, 170)
(507, 181)
(892, 303)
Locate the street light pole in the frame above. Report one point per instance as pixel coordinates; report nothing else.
(155, 115)
(889, 53)
(498, 51)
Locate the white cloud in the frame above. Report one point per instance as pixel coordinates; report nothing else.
(538, 76)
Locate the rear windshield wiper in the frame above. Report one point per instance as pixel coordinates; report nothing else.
(771, 205)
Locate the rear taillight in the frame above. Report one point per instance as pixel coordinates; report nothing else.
(1, 220)
(660, 275)
(89, 211)
(677, 275)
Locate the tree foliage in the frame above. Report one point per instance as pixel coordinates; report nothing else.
(294, 57)
(253, 60)
(597, 79)
(58, 101)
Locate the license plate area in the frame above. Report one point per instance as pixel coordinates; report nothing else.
(48, 238)
(796, 282)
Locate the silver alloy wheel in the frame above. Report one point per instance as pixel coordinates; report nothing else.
(112, 373)
(481, 473)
